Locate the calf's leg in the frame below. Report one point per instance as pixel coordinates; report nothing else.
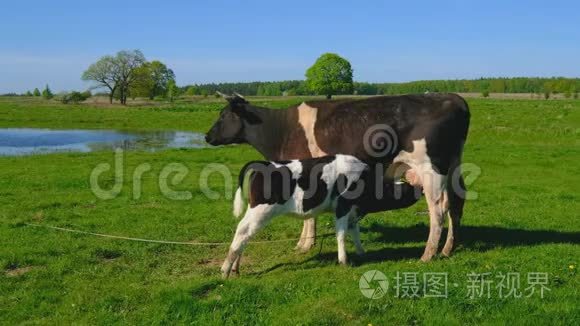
(346, 222)
(254, 220)
(341, 229)
(354, 231)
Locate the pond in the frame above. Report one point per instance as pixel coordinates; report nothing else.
(26, 141)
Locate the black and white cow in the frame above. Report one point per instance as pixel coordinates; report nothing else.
(427, 133)
(305, 188)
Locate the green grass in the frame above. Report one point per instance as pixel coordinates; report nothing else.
(526, 219)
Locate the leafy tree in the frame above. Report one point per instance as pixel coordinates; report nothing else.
(161, 76)
(116, 73)
(143, 84)
(105, 72)
(192, 90)
(329, 75)
(127, 62)
(36, 92)
(151, 80)
(173, 91)
(47, 93)
(28, 93)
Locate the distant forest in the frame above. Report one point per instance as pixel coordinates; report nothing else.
(567, 86)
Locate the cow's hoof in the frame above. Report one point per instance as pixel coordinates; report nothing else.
(305, 247)
(426, 258)
(225, 272)
(446, 252)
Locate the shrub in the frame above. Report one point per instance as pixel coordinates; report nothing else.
(485, 93)
(47, 93)
(74, 97)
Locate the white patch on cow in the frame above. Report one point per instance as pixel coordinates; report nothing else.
(419, 162)
(295, 167)
(347, 165)
(433, 184)
(307, 119)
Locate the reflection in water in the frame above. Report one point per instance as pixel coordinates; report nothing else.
(23, 141)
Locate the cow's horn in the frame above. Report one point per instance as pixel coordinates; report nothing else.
(238, 95)
(222, 94)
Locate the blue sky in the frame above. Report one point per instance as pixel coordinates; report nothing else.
(213, 41)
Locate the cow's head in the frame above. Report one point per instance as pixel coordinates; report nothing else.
(231, 125)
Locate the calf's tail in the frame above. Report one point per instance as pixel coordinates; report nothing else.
(239, 198)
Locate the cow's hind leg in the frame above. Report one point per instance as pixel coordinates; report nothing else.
(434, 189)
(308, 236)
(456, 202)
(254, 220)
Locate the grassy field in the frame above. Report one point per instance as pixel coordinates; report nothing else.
(525, 220)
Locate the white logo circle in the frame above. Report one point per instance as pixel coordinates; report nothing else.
(380, 140)
(373, 284)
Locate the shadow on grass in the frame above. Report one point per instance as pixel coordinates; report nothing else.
(474, 237)
(477, 238)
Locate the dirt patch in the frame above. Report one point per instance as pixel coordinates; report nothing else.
(38, 216)
(210, 262)
(107, 255)
(14, 272)
(217, 262)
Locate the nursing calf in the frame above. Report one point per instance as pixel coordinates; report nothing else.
(305, 188)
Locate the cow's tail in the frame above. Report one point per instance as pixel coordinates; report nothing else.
(239, 198)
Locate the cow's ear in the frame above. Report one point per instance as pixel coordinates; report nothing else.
(241, 109)
(251, 117)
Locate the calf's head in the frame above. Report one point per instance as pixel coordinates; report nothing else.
(232, 122)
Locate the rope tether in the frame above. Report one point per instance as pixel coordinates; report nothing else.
(161, 241)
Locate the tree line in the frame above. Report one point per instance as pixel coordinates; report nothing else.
(566, 86)
(127, 74)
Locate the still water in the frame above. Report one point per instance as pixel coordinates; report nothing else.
(26, 141)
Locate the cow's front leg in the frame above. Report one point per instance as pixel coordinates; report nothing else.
(433, 187)
(308, 236)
